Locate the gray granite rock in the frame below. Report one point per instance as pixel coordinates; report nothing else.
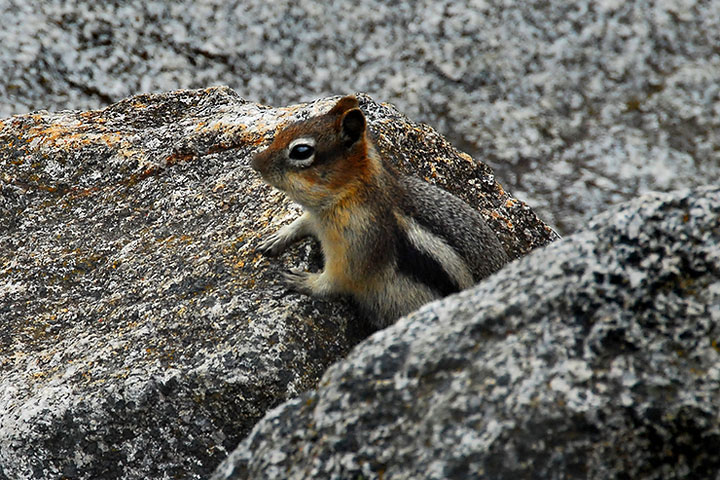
(596, 357)
(576, 105)
(142, 334)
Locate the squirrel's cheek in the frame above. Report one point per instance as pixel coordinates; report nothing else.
(306, 178)
(306, 188)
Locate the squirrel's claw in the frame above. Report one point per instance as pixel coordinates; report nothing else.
(298, 280)
(272, 245)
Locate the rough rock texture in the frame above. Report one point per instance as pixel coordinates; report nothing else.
(576, 105)
(142, 335)
(596, 357)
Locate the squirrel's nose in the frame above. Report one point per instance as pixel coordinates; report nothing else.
(259, 162)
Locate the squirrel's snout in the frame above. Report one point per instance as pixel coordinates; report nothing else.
(259, 162)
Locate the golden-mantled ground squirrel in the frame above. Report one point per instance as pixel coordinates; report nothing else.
(390, 241)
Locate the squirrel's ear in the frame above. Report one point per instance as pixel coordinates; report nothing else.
(344, 104)
(353, 125)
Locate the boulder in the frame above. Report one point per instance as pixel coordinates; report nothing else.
(595, 357)
(142, 334)
(575, 105)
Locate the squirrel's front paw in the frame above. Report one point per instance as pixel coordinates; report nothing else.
(300, 281)
(272, 245)
(316, 284)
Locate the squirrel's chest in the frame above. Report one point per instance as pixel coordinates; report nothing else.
(337, 250)
(346, 250)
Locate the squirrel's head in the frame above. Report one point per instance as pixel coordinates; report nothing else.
(318, 160)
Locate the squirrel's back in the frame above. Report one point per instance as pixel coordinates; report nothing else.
(458, 224)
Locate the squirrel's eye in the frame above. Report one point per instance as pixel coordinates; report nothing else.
(301, 152)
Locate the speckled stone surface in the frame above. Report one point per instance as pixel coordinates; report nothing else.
(576, 105)
(142, 334)
(596, 357)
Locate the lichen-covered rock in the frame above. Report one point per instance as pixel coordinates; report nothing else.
(575, 105)
(596, 357)
(142, 334)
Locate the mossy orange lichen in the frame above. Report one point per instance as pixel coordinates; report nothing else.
(177, 157)
(466, 157)
(72, 136)
(502, 218)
